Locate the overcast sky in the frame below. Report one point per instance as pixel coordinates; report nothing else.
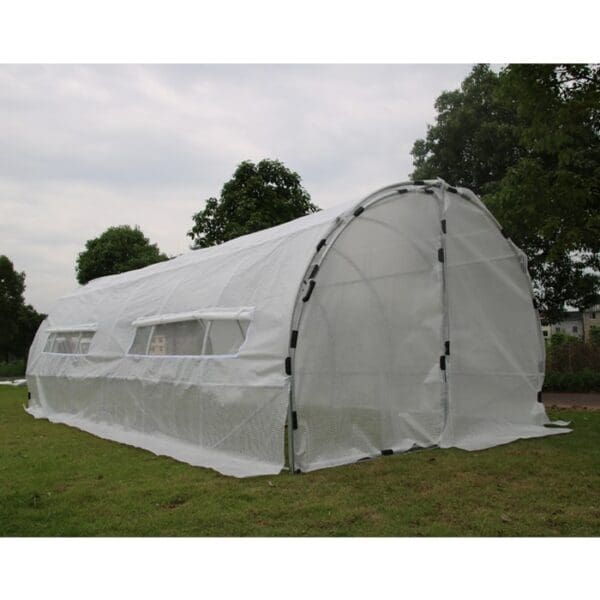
(86, 147)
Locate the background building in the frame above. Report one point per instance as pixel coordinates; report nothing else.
(591, 318)
(575, 323)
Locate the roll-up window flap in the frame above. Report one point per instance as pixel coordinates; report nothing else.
(72, 328)
(208, 314)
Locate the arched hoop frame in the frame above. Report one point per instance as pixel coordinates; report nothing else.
(439, 188)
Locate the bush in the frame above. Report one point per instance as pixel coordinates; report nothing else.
(584, 381)
(560, 339)
(14, 368)
(572, 365)
(566, 354)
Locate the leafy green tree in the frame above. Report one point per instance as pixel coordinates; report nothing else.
(117, 250)
(28, 320)
(12, 286)
(549, 199)
(18, 321)
(256, 197)
(474, 139)
(528, 141)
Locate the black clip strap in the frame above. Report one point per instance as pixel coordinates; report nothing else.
(311, 287)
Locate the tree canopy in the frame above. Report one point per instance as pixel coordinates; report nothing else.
(527, 139)
(256, 197)
(117, 250)
(18, 321)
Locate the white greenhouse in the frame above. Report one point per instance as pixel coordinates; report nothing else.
(402, 321)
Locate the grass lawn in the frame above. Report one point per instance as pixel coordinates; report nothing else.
(58, 481)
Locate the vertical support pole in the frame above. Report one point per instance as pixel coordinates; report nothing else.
(443, 257)
(290, 432)
(207, 326)
(150, 336)
(291, 421)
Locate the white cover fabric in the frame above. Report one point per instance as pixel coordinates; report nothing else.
(366, 370)
(227, 413)
(496, 365)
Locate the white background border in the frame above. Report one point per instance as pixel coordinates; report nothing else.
(462, 31)
(307, 31)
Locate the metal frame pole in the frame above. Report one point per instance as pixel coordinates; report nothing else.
(290, 429)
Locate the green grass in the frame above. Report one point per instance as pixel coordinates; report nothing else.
(58, 481)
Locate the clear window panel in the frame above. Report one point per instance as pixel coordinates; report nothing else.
(225, 336)
(66, 343)
(140, 341)
(50, 342)
(69, 342)
(84, 342)
(190, 338)
(184, 338)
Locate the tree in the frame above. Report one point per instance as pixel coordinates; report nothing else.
(528, 141)
(28, 322)
(12, 286)
(549, 199)
(117, 250)
(474, 140)
(256, 197)
(18, 321)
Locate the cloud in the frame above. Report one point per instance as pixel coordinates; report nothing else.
(86, 147)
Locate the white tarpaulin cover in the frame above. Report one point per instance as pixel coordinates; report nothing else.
(404, 320)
